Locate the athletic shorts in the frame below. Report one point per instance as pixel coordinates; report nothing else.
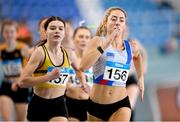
(41, 109)
(22, 95)
(77, 108)
(104, 111)
(131, 80)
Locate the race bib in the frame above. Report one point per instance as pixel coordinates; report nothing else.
(75, 80)
(63, 77)
(116, 72)
(12, 67)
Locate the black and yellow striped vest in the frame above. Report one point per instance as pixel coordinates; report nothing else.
(42, 70)
(13, 61)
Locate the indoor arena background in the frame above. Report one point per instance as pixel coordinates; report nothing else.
(155, 23)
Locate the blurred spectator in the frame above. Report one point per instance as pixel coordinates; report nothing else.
(24, 34)
(169, 47)
(162, 4)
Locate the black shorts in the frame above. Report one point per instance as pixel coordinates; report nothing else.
(131, 80)
(77, 108)
(104, 111)
(41, 109)
(22, 95)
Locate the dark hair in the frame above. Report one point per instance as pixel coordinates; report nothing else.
(81, 27)
(8, 22)
(52, 18)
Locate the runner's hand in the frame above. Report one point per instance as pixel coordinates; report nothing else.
(141, 88)
(54, 74)
(85, 87)
(115, 33)
(15, 86)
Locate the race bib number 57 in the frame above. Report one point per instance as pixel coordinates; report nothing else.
(63, 77)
